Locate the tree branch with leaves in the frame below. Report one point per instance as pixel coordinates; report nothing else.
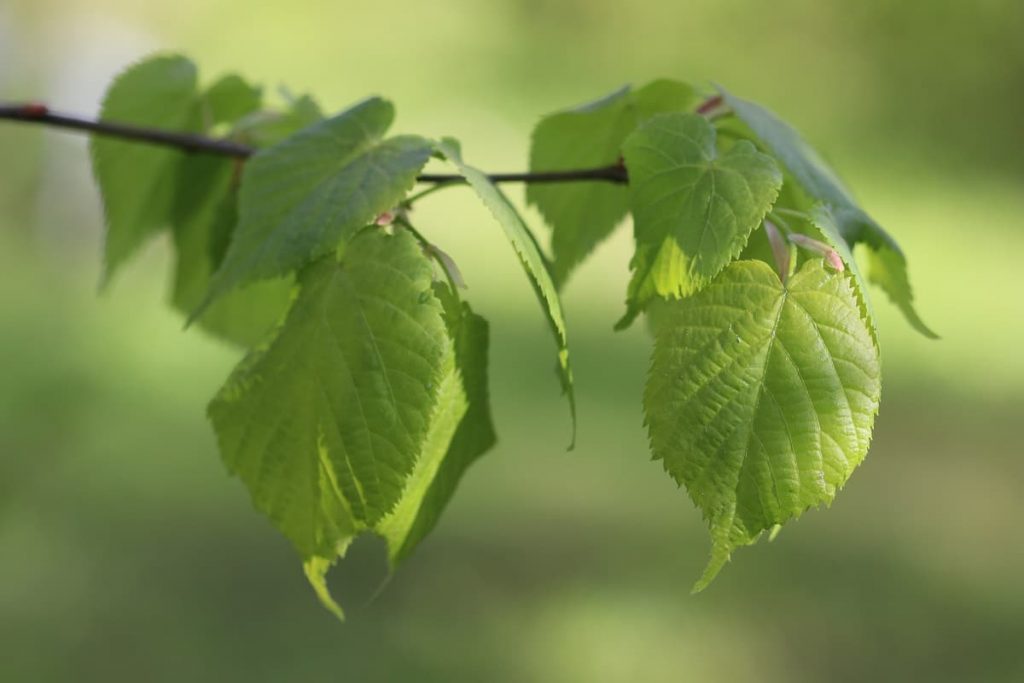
(361, 398)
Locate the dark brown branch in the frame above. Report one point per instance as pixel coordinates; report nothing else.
(40, 114)
(188, 142)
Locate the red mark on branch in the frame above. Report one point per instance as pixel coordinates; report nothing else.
(35, 109)
(709, 105)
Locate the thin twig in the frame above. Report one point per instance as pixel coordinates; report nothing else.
(188, 142)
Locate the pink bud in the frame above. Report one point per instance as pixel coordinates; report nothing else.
(780, 250)
(832, 258)
(386, 218)
(830, 255)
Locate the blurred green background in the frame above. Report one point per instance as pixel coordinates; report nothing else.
(126, 553)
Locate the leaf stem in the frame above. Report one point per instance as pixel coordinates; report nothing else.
(435, 252)
(408, 201)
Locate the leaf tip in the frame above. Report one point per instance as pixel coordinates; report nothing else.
(623, 323)
(316, 569)
(719, 556)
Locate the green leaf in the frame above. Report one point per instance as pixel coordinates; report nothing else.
(529, 255)
(889, 267)
(230, 99)
(761, 397)
(582, 215)
(693, 209)
(459, 434)
(824, 220)
(460, 431)
(136, 181)
(268, 128)
(889, 271)
(325, 425)
(308, 195)
(205, 214)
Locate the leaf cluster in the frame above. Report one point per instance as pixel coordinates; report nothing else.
(361, 398)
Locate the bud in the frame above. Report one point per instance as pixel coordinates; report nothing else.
(830, 255)
(780, 250)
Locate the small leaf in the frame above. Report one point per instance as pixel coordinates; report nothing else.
(761, 397)
(268, 128)
(582, 215)
(889, 268)
(531, 258)
(136, 180)
(308, 195)
(693, 209)
(324, 425)
(230, 99)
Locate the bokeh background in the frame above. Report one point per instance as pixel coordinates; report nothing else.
(126, 553)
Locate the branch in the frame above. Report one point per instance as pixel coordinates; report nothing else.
(41, 114)
(188, 142)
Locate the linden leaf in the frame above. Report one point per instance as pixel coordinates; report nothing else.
(889, 265)
(582, 215)
(693, 209)
(136, 181)
(308, 195)
(458, 436)
(325, 425)
(204, 215)
(230, 99)
(460, 431)
(529, 255)
(761, 397)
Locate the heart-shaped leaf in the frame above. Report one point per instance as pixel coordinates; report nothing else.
(762, 397)
(693, 209)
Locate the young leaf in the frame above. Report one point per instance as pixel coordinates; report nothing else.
(137, 181)
(325, 425)
(761, 397)
(268, 128)
(229, 99)
(529, 255)
(693, 209)
(309, 194)
(582, 215)
(889, 268)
